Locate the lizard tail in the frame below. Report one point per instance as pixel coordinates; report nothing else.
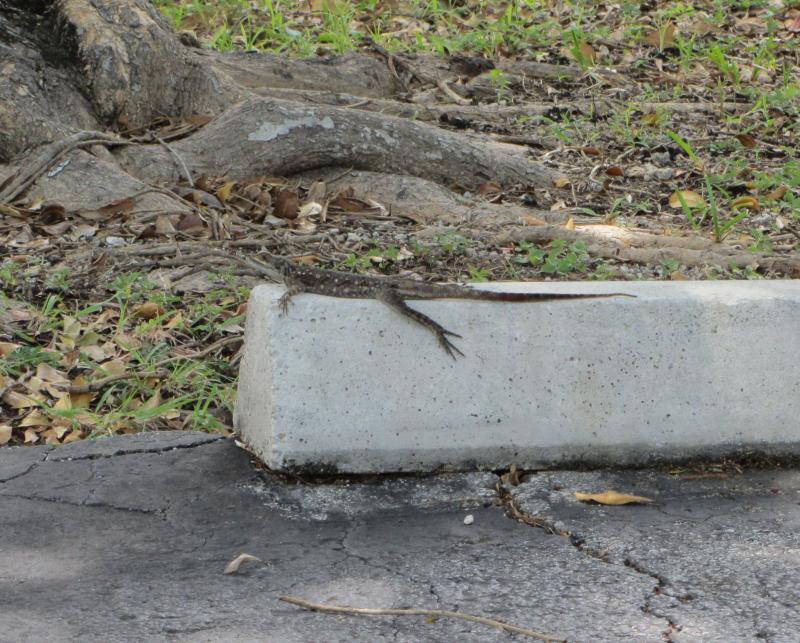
(490, 295)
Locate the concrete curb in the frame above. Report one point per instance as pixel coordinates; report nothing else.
(687, 369)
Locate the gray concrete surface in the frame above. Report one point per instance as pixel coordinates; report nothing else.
(686, 369)
(125, 540)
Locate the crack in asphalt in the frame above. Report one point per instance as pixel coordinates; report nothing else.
(26, 472)
(514, 512)
(134, 451)
(73, 503)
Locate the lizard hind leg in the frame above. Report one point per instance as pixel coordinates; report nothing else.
(395, 301)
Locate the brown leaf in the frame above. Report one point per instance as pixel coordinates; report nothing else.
(148, 310)
(611, 498)
(663, 37)
(591, 151)
(561, 182)
(5, 433)
(191, 223)
(287, 204)
(531, 220)
(748, 141)
(774, 195)
(233, 566)
(615, 171)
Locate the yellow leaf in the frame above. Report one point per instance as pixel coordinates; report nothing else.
(569, 224)
(35, 418)
(611, 498)
(775, 195)
(690, 197)
(561, 182)
(80, 400)
(153, 402)
(749, 202)
(224, 193)
(6, 348)
(72, 437)
(5, 433)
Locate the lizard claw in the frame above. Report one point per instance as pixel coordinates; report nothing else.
(450, 348)
(283, 303)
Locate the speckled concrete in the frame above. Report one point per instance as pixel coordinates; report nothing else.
(686, 369)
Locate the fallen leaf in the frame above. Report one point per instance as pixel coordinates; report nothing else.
(224, 193)
(18, 400)
(148, 310)
(5, 433)
(747, 201)
(690, 197)
(31, 436)
(287, 203)
(663, 37)
(747, 140)
(561, 182)
(611, 498)
(531, 220)
(233, 566)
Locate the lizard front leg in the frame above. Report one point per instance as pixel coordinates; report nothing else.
(395, 301)
(291, 291)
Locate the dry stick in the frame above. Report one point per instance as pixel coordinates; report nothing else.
(452, 94)
(93, 387)
(335, 609)
(187, 175)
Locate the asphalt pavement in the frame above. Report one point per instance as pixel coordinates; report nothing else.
(127, 539)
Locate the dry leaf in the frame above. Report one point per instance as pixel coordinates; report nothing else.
(18, 400)
(690, 197)
(747, 140)
(5, 433)
(749, 202)
(531, 220)
(561, 182)
(233, 566)
(611, 498)
(287, 203)
(31, 436)
(663, 37)
(148, 310)
(774, 195)
(224, 193)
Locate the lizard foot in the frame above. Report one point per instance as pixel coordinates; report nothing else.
(450, 348)
(283, 302)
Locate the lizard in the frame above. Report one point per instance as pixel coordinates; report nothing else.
(392, 291)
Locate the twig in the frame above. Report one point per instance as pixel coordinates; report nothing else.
(187, 175)
(452, 94)
(335, 609)
(97, 385)
(52, 153)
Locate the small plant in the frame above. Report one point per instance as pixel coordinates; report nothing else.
(687, 149)
(560, 259)
(479, 275)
